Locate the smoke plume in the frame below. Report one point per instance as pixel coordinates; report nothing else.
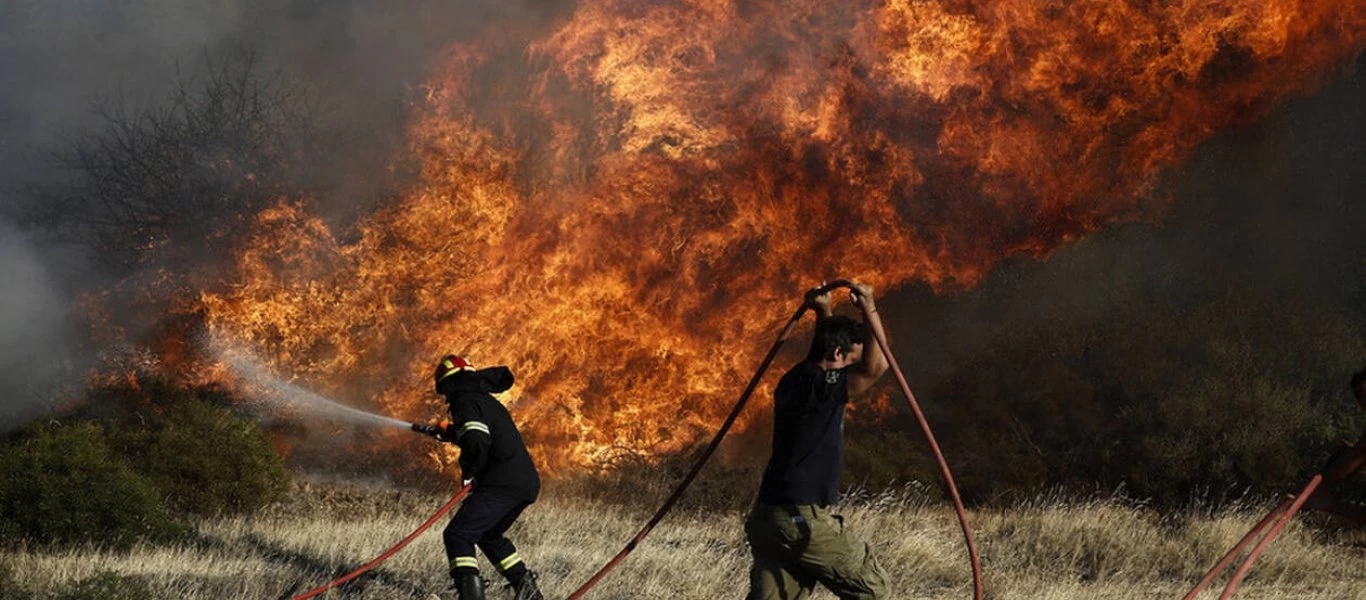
(36, 351)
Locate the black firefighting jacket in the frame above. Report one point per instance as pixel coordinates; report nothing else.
(491, 449)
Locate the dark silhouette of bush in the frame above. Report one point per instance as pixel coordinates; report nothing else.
(64, 484)
(1182, 404)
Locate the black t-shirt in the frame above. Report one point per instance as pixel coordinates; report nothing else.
(808, 437)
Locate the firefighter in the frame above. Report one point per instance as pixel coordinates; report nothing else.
(505, 480)
(795, 540)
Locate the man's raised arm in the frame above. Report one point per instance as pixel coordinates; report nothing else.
(874, 363)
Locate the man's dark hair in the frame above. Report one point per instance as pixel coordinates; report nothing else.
(838, 331)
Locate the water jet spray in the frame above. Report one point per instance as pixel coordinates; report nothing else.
(267, 388)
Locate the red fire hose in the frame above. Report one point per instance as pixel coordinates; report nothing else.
(881, 338)
(697, 466)
(387, 553)
(1281, 515)
(1237, 549)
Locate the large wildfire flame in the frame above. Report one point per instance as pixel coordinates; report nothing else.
(624, 209)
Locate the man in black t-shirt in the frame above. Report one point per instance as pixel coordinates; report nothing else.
(505, 480)
(795, 540)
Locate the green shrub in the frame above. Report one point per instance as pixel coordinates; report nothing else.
(139, 455)
(105, 585)
(204, 459)
(64, 484)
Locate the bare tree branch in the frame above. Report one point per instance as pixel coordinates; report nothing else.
(171, 182)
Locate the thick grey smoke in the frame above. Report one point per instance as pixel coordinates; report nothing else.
(364, 57)
(363, 61)
(37, 356)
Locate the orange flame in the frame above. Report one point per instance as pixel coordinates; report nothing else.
(622, 210)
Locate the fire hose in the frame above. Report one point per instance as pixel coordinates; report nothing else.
(881, 337)
(1280, 516)
(399, 546)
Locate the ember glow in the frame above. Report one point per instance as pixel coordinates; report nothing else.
(623, 208)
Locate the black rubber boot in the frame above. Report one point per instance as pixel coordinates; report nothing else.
(525, 586)
(469, 586)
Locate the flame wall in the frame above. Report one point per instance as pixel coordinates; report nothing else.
(624, 207)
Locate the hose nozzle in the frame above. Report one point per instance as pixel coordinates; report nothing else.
(435, 430)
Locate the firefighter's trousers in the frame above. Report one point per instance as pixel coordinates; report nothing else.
(482, 521)
(797, 546)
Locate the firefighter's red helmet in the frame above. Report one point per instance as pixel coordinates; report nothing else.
(451, 364)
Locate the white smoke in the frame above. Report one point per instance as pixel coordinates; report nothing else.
(37, 355)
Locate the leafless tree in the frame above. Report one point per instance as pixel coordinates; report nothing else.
(170, 182)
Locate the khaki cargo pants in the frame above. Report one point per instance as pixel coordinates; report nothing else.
(796, 547)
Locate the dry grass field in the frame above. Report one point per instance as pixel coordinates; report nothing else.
(1051, 550)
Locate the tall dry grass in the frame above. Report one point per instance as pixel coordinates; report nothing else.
(1048, 550)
